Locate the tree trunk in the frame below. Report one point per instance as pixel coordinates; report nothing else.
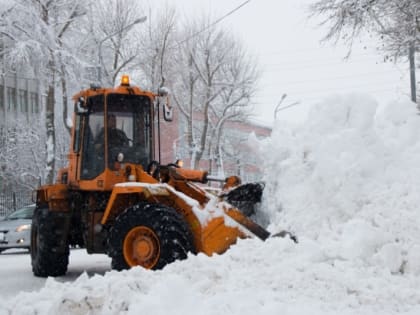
(65, 101)
(191, 141)
(50, 127)
(202, 144)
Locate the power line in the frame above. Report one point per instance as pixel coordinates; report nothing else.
(344, 90)
(214, 23)
(320, 79)
(312, 60)
(297, 65)
(291, 52)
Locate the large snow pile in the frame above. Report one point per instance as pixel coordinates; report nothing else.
(346, 182)
(349, 178)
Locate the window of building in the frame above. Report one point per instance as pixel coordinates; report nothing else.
(11, 98)
(33, 102)
(1, 97)
(22, 100)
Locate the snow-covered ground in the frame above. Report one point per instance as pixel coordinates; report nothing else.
(346, 181)
(16, 273)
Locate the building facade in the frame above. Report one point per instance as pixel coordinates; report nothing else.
(19, 96)
(237, 156)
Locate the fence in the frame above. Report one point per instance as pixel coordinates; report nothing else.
(11, 201)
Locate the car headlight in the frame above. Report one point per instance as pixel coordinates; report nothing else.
(23, 227)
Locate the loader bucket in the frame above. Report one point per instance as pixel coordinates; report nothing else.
(245, 197)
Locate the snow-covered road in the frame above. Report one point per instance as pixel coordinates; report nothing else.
(254, 277)
(16, 273)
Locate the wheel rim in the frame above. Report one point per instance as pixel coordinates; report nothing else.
(141, 247)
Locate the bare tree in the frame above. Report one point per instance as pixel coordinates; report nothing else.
(36, 32)
(22, 159)
(113, 25)
(158, 40)
(216, 82)
(395, 22)
(241, 76)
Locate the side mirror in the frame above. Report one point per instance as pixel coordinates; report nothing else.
(80, 109)
(163, 91)
(163, 97)
(167, 112)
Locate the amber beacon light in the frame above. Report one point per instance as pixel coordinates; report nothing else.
(125, 80)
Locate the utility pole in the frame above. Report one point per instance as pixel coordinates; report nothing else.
(412, 72)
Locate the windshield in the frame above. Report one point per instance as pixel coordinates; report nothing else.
(24, 213)
(129, 128)
(126, 129)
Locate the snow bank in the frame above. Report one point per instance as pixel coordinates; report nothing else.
(346, 182)
(349, 178)
(274, 277)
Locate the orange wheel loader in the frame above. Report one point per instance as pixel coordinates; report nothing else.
(114, 198)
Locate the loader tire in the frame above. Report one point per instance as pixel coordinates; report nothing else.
(49, 249)
(148, 235)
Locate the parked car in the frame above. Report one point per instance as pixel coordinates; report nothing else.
(15, 229)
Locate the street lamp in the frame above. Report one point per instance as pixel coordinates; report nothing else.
(100, 61)
(278, 105)
(278, 108)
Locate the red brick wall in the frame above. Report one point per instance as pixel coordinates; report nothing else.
(173, 132)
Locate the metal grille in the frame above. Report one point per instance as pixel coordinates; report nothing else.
(11, 201)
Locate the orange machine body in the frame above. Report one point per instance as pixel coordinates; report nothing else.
(104, 179)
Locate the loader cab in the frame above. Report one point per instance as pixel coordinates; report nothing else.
(110, 128)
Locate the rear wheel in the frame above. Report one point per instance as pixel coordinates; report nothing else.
(49, 249)
(148, 235)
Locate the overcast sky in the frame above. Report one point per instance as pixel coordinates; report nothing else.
(293, 59)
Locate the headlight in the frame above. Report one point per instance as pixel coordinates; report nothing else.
(179, 163)
(23, 227)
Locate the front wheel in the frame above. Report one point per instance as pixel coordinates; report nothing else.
(148, 235)
(49, 249)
